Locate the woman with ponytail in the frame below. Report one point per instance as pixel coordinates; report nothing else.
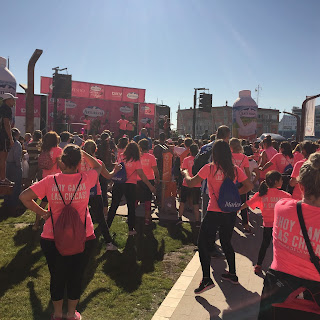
(308, 147)
(267, 153)
(268, 195)
(216, 172)
(292, 267)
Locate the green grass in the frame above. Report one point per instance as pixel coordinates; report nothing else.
(129, 284)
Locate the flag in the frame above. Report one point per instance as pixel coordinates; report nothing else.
(310, 118)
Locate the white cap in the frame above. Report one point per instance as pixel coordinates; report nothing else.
(6, 96)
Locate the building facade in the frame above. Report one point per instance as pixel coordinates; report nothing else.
(268, 120)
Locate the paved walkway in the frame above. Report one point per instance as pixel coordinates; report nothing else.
(225, 300)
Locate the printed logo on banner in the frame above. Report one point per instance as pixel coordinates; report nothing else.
(145, 120)
(70, 105)
(132, 95)
(93, 111)
(23, 110)
(96, 88)
(51, 86)
(125, 109)
(145, 109)
(116, 94)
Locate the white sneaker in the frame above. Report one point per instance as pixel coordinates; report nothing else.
(111, 247)
(132, 232)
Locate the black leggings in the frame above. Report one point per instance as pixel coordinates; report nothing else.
(277, 287)
(267, 236)
(244, 212)
(96, 211)
(129, 191)
(212, 222)
(65, 271)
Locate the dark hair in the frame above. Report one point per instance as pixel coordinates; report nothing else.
(267, 141)
(64, 136)
(222, 158)
(223, 132)
(286, 149)
(122, 142)
(37, 135)
(162, 136)
(257, 144)
(188, 142)
(132, 152)
(71, 156)
(247, 150)
(49, 141)
(309, 147)
(144, 144)
(15, 133)
(90, 147)
(309, 176)
(294, 144)
(272, 177)
(194, 149)
(275, 144)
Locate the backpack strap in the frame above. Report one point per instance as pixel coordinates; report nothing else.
(313, 258)
(54, 177)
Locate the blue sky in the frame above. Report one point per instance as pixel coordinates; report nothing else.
(170, 47)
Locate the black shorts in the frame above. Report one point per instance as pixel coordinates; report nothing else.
(143, 192)
(4, 144)
(193, 193)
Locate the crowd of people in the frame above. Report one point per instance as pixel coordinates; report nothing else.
(72, 175)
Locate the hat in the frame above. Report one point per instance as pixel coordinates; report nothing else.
(6, 96)
(77, 140)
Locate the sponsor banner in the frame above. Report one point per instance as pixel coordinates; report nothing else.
(105, 111)
(98, 91)
(21, 105)
(310, 118)
(146, 117)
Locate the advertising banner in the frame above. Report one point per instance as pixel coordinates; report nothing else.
(104, 113)
(146, 117)
(21, 105)
(310, 118)
(98, 91)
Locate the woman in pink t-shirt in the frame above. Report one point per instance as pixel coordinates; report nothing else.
(268, 152)
(73, 187)
(121, 146)
(291, 267)
(241, 160)
(268, 195)
(150, 169)
(133, 169)
(307, 148)
(50, 143)
(215, 219)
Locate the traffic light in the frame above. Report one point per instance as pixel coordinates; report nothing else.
(205, 102)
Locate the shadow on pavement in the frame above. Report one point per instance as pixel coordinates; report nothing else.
(212, 310)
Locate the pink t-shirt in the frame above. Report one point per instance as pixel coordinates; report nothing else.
(120, 156)
(67, 185)
(290, 254)
(280, 162)
(55, 153)
(123, 124)
(270, 152)
(187, 164)
(84, 166)
(131, 169)
(148, 161)
(215, 179)
(297, 194)
(298, 156)
(266, 204)
(240, 160)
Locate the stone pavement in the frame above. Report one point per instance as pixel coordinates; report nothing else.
(225, 300)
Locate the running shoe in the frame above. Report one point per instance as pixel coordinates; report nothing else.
(230, 277)
(111, 247)
(204, 286)
(77, 316)
(257, 269)
(55, 318)
(179, 221)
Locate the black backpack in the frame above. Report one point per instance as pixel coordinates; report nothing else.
(201, 159)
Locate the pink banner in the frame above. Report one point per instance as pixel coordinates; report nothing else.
(146, 117)
(21, 105)
(98, 91)
(106, 111)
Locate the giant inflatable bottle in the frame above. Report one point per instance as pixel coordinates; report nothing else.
(244, 116)
(8, 82)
